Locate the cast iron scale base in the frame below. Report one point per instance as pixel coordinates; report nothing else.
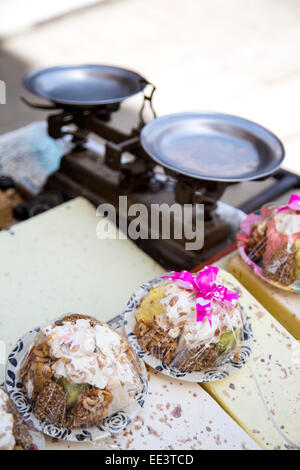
(103, 178)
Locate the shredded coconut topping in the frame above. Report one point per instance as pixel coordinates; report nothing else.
(182, 312)
(287, 222)
(94, 355)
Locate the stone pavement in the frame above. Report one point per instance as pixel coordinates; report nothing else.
(235, 57)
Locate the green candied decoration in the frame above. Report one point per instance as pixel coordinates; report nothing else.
(227, 340)
(72, 390)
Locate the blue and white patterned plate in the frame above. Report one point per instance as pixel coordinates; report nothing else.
(110, 425)
(225, 369)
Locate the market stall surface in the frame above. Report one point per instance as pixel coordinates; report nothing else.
(56, 264)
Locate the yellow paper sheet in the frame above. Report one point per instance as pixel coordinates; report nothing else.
(275, 363)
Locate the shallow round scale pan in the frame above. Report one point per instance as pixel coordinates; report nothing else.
(212, 146)
(84, 85)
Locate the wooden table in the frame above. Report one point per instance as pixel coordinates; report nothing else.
(54, 263)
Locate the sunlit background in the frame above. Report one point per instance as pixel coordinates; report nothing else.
(232, 56)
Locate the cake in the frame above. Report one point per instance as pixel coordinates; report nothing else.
(78, 372)
(273, 244)
(14, 433)
(169, 328)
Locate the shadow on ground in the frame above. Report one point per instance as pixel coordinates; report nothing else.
(14, 113)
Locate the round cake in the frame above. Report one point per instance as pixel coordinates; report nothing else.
(270, 241)
(14, 433)
(169, 328)
(78, 372)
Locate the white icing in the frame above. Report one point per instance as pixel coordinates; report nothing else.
(93, 355)
(286, 223)
(224, 317)
(7, 440)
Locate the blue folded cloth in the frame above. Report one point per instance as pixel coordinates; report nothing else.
(30, 154)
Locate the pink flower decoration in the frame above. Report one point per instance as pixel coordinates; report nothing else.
(206, 289)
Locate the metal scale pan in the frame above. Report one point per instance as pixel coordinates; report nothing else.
(212, 146)
(84, 85)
